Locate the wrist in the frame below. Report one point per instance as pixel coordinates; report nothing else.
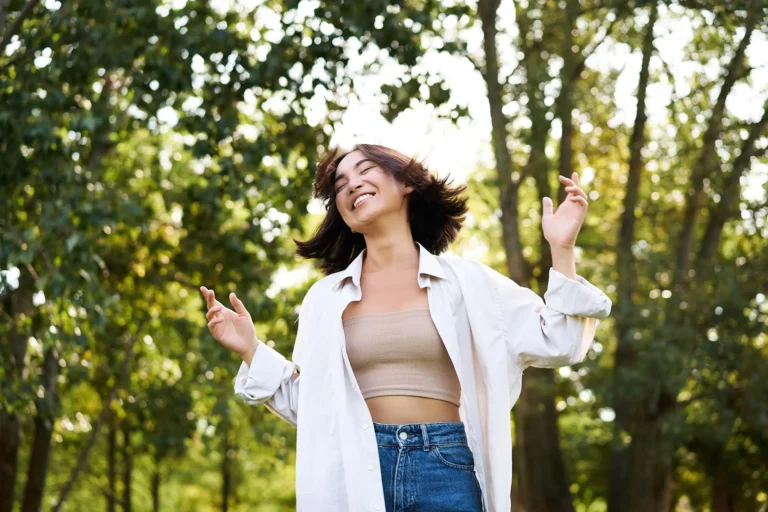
(564, 261)
(247, 355)
(561, 248)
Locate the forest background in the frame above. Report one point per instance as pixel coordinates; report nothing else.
(150, 147)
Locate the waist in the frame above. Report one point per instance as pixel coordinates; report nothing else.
(420, 434)
(401, 409)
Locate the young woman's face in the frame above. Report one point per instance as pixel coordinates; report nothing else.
(356, 176)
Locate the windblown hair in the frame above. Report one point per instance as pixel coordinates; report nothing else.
(436, 210)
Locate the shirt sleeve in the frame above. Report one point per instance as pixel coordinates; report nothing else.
(556, 330)
(272, 380)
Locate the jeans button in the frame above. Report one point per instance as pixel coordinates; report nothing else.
(403, 435)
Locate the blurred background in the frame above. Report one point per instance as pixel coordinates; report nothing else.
(149, 147)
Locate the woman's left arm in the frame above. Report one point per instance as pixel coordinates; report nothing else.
(558, 330)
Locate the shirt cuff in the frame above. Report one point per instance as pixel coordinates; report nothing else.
(264, 373)
(576, 297)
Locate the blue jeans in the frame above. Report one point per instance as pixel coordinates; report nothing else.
(427, 467)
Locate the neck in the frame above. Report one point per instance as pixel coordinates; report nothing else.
(384, 254)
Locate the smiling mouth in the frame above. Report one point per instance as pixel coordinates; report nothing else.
(354, 207)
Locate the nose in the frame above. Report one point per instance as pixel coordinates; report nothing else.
(354, 184)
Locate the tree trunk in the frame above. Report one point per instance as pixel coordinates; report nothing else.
(722, 499)
(127, 457)
(565, 98)
(663, 492)
(156, 486)
(508, 187)
(112, 465)
(10, 439)
(625, 353)
(47, 412)
(640, 468)
(226, 476)
(13, 354)
(3, 14)
(540, 469)
(541, 472)
(543, 482)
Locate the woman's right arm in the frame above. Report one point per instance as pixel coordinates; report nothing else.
(267, 378)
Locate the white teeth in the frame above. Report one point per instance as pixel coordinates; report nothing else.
(361, 199)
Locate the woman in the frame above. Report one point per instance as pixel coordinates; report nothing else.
(427, 350)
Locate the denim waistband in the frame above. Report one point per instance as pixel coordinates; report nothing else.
(420, 434)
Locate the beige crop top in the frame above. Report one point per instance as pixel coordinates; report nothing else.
(400, 353)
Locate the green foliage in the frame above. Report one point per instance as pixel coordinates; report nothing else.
(150, 148)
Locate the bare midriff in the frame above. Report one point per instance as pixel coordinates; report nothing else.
(402, 409)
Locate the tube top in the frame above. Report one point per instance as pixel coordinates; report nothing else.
(400, 353)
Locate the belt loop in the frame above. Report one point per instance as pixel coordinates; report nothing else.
(425, 436)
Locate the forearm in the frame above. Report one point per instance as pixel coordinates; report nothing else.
(564, 261)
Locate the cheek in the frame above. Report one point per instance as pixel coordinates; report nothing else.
(342, 207)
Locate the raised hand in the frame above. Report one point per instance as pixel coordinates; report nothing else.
(233, 329)
(561, 227)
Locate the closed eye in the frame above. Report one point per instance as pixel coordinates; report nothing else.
(361, 172)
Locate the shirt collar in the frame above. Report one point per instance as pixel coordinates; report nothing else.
(428, 264)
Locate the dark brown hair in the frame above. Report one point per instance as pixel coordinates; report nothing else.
(436, 210)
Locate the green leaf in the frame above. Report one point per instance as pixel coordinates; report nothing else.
(72, 241)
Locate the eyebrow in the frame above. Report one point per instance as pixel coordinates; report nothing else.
(360, 162)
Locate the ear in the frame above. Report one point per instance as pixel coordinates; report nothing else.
(408, 190)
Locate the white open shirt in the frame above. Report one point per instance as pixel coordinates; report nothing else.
(492, 329)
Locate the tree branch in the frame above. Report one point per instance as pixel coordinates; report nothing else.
(723, 210)
(703, 163)
(25, 12)
(589, 51)
(3, 11)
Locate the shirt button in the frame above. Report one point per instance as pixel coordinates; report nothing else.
(403, 435)
(365, 426)
(354, 386)
(370, 467)
(377, 507)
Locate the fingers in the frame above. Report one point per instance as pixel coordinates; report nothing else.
(212, 312)
(547, 207)
(237, 304)
(572, 186)
(210, 297)
(215, 321)
(573, 180)
(574, 190)
(578, 199)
